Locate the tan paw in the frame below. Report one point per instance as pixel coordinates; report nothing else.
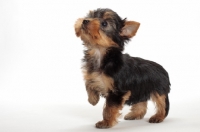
(93, 99)
(103, 124)
(156, 119)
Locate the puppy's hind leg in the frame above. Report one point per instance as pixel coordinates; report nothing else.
(162, 107)
(137, 111)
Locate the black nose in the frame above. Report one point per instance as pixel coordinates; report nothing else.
(85, 21)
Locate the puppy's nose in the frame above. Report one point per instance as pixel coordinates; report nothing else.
(86, 21)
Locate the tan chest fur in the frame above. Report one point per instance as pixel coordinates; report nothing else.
(99, 82)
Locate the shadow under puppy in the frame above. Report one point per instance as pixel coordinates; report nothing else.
(118, 77)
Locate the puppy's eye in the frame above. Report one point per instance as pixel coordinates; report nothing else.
(104, 23)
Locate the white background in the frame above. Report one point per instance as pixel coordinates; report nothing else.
(41, 84)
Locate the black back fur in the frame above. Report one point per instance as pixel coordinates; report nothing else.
(141, 77)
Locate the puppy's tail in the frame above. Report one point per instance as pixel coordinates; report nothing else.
(166, 105)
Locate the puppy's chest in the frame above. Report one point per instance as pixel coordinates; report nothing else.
(93, 76)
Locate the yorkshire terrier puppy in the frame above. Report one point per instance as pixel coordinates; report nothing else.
(118, 77)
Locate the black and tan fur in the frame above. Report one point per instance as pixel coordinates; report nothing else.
(118, 77)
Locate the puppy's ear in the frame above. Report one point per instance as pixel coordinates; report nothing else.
(130, 28)
(77, 26)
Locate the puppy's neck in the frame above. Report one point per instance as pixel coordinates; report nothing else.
(98, 54)
(102, 59)
(93, 57)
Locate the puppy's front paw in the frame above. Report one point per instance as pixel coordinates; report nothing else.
(156, 119)
(103, 124)
(93, 98)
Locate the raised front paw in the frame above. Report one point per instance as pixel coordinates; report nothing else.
(93, 98)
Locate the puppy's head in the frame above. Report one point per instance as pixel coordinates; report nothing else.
(103, 27)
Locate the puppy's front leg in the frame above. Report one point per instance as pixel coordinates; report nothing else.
(93, 96)
(114, 103)
(110, 114)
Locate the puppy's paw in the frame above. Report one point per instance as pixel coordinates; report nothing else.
(103, 124)
(93, 99)
(156, 119)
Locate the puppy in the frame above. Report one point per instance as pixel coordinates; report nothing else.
(118, 77)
